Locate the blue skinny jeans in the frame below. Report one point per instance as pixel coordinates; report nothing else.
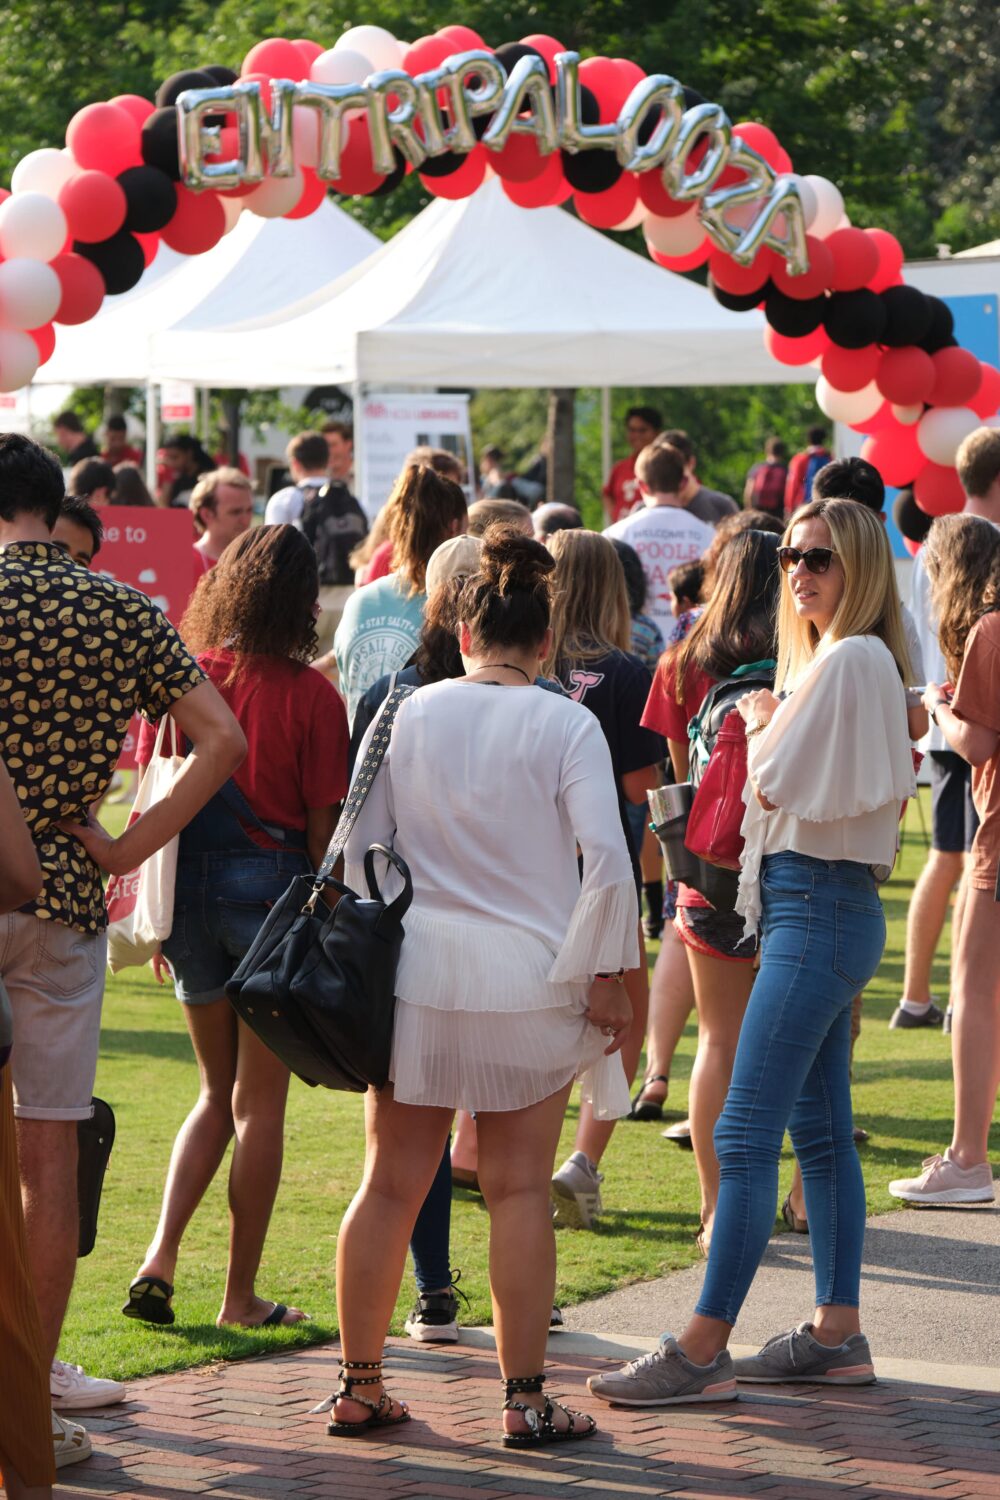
(823, 932)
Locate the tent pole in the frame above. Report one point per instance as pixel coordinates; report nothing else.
(605, 432)
(152, 436)
(205, 409)
(357, 402)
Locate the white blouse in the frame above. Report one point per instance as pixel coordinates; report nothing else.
(486, 792)
(836, 762)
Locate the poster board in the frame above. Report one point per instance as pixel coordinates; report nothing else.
(393, 425)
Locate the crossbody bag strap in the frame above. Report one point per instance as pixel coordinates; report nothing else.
(363, 780)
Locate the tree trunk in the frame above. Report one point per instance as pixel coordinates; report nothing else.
(561, 446)
(231, 408)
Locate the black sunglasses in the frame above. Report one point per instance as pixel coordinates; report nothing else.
(816, 559)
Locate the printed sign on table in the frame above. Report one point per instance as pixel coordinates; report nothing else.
(149, 548)
(177, 400)
(392, 426)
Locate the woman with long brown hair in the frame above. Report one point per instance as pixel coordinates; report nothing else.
(381, 622)
(251, 625)
(590, 656)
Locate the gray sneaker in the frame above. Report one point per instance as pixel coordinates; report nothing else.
(797, 1356)
(576, 1193)
(667, 1378)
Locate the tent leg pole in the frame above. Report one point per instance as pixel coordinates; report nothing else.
(205, 410)
(152, 436)
(357, 404)
(605, 432)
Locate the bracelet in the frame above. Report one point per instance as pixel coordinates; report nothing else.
(934, 711)
(756, 727)
(619, 976)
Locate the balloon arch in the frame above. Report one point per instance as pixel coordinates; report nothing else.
(631, 150)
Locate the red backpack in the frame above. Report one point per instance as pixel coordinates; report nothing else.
(768, 489)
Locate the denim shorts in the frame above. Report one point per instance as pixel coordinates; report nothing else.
(221, 901)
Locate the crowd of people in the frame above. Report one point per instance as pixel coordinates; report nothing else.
(559, 677)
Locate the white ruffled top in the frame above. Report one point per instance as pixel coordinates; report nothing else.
(487, 792)
(836, 762)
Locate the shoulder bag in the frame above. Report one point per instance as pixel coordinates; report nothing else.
(318, 985)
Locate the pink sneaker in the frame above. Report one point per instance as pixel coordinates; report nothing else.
(944, 1181)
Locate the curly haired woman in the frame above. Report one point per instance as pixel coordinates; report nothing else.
(251, 623)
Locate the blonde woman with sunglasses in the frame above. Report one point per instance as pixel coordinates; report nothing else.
(829, 767)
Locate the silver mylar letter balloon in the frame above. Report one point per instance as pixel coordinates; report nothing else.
(475, 83)
(196, 140)
(783, 205)
(657, 92)
(573, 134)
(331, 102)
(528, 84)
(394, 127)
(758, 182)
(703, 120)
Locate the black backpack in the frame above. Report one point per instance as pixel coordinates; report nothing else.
(703, 730)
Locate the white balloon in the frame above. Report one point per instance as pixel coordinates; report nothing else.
(30, 293)
(306, 135)
(830, 206)
(373, 42)
(341, 65)
(275, 196)
(44, 171)
(807, 197)
(677, 236)
(907, 415)
(31, 225)
(232, 208)
(18, 360)
(847, 406)
(635, 218)
(941, 430)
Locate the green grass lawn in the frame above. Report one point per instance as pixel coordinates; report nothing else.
(902, 1095)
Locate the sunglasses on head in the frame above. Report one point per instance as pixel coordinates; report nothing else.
(816, 559)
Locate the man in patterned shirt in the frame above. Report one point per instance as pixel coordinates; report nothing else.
(79, 654)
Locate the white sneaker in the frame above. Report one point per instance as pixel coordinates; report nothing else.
(576, 1193)
(70, 1442)
(944, 1181)
(72, 1390)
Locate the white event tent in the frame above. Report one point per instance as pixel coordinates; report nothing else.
(480, 292)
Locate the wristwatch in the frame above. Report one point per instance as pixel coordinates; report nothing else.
(934, 711)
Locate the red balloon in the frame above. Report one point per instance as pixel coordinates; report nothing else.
(938, 490)
(464, 182)
(541, 192)
(689, 262)
(957, 374)
(308, 51)
(605, 210)
(95, 206)
(657, 199)
(855, 259)
(884, 417)
(199, 222)
(895, 453)
(277, 58)
(547, 46)
(82, 288)
(608, 83)
(851, 369)
(890, 259)
(764, 141)
(520, 160)
(796, 351)
(139, 108)
(986, 401)
(631, 71)
(426, 53)
(105, 137)
(149, 244)
(912, 547)
(45, 338)
(463, 38)
(312, 195)
(357, 175)
(813, 283)
(729, 276)
(906, 375)
(229, 150)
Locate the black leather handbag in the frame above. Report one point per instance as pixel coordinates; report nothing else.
(318, 986)
(95, 1138)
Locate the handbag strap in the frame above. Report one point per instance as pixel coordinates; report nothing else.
(363, 780)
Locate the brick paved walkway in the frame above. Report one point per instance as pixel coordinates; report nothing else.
(242, 1430)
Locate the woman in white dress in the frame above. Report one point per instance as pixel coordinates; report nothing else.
(488, 788)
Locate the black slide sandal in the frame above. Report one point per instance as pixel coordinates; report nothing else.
(149, 1299)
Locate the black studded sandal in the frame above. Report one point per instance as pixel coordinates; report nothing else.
(649, 1109)
(541, 1428)
(381, 1410)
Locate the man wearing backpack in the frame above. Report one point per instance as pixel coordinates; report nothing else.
(803, 469)
(765, 485)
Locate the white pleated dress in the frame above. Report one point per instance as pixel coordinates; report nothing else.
(486, 792)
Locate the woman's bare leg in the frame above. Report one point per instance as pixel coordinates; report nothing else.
(975, 1041)
(464, 1147)
(671, 1001)
(722, 991)
(592, 1136)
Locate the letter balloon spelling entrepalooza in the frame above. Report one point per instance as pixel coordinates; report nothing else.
(630, 149)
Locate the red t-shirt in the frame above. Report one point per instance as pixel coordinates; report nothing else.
(124, 455)
(296, 728)
(670, 718)
(379, 564)
(200, 564)
(622, 488)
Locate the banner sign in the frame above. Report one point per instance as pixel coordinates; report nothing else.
(392, 426)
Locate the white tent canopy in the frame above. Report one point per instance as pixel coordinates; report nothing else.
(481, 293)
(255, 271)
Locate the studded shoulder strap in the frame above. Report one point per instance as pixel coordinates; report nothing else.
(364, 778)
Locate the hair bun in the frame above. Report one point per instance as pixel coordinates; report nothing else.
(511, 561)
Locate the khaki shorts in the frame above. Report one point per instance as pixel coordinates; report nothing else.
(55, 980)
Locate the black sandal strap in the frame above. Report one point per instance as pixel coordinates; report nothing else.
(523, 1385)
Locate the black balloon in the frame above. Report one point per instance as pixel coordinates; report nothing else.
(510, 53)
(220, 75)
(740, 301)
(912, 522)
(854, 319)
(941, 332)
(692, 97)
(792, 317)
(908, 315)
(394, 178)
(591, 171)
(119, 259)
(151, 199)
(159, 142)
(192, 78)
